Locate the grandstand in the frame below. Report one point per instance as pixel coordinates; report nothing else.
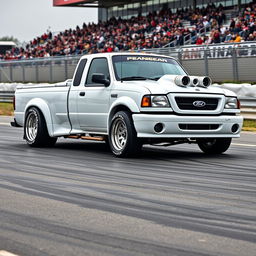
(126, 9)
(146, 25)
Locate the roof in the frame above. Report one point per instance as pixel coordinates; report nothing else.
(92, 3)
(110, 54)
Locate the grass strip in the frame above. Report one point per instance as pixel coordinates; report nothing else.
(6, 109)
(249, 125)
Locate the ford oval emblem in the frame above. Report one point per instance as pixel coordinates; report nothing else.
(199, 104)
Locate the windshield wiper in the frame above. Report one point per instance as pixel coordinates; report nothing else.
(131, 78)
(155, 78)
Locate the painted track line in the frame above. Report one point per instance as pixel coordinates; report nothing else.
(5, 253)
(243, 145)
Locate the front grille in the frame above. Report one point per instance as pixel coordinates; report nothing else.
(199, 126)
(190, 103)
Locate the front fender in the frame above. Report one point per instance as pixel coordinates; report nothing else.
(44, 108)
(122, 102)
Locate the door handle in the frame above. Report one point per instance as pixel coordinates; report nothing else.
(82, 93)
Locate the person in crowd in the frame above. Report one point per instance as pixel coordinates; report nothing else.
(199, 41)
(238, 38)
(142, 32)
(227, 37)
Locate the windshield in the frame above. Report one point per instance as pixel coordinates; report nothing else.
(142, 67)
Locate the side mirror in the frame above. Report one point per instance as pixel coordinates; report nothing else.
(100, 79)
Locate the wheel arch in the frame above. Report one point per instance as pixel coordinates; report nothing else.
(42, 106)
(122, 104)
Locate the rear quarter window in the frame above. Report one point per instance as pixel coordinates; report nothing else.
(79, 72)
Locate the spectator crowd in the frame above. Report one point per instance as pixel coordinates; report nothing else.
(241, 29)
(143, 32)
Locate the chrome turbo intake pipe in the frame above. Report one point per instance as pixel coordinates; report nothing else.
(189, 81)
(182, 81)
(204, 81)
(194, 81)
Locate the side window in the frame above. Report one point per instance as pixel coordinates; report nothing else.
(79, 72)
(98, 65)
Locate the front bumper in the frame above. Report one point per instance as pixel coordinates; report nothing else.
(145, 123)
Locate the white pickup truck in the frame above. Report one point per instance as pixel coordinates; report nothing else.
(128, 100)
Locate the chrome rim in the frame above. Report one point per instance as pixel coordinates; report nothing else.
(119, 134)
(31, 126)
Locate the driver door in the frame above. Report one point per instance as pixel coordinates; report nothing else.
(93, 99)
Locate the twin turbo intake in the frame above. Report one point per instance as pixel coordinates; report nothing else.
(192, 81)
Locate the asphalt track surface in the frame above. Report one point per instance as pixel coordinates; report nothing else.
(77, 199)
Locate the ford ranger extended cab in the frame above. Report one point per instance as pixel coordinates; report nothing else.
(128, 100)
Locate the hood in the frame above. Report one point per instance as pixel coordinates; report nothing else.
(166, 85)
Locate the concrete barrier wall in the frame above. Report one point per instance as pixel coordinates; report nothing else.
(247, 69)
(220, 69)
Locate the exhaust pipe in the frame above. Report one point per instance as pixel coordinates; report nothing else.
(204, 81)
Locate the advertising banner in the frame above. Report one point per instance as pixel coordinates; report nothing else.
(219, 51)
(66, 2)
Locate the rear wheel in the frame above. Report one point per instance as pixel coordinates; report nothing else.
(35, 130)
(123, 139)
(214, 145)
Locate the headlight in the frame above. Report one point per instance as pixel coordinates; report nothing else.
(232, 103)
(158, 101)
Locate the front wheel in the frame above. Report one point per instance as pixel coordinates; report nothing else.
(123, 139)
(214, 145)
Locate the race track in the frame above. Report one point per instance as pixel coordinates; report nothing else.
(77, 199)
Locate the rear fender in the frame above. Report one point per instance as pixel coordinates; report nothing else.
(44, 108)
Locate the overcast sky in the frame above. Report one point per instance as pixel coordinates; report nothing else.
(26, 19)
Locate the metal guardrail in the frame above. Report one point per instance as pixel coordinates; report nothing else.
(6, 96)
(249, 102)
